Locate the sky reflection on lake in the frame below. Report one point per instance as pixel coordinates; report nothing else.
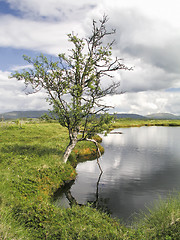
(138, 166)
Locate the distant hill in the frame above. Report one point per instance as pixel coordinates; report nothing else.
(167, 116)
(38, 114)
(22, 114)
(132, 116)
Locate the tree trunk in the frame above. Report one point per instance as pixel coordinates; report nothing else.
(69, 149)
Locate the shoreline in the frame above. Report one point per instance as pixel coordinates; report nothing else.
(32, 172)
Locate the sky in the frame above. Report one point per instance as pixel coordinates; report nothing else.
(147, 38)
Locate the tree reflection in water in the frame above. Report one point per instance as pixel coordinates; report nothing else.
(98, 203)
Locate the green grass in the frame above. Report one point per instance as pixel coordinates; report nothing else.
(162, 220)
(138, 123)
(86, 150)
(31, 166)
(32, 170)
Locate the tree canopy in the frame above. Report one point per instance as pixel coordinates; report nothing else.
(73, 83)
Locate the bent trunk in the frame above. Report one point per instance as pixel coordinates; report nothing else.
(69, 149)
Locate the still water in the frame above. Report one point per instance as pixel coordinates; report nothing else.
(139, 166)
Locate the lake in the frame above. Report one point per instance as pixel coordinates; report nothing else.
(139, 166)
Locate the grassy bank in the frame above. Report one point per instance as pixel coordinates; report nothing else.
(138, 123)
(32, 170)
(162, 220)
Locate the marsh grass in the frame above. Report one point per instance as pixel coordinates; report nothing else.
(87, 151)
(119, 123)
(10, 229)
(31, 167)
(32, 170)
(161, 220)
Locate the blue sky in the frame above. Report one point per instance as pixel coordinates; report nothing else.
(6, 9)
(147, 38)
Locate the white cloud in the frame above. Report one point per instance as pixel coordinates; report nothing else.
(146, 76)
(13, 97)
(160, 10)
(59, 9)
(146, 102)
(42, 36)
(147, 37)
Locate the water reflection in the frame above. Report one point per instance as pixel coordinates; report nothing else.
(138, 166)
(65, 195)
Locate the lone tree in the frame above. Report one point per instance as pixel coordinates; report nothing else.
(73, 83)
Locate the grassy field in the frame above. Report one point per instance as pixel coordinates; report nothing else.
(32, 170)
(138, 123)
